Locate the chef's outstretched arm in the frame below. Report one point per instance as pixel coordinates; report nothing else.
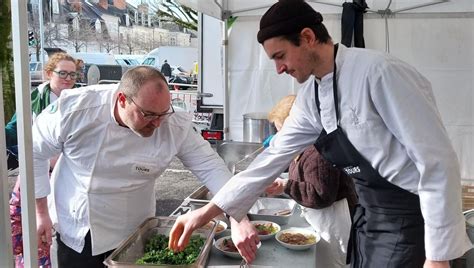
(187, 223)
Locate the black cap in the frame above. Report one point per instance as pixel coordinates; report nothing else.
(287, 17)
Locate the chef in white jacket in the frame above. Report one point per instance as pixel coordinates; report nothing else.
(114, 142)
(374, 117)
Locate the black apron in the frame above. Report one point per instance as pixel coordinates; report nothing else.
(388, 228)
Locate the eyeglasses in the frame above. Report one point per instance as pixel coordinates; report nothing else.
(152, 116)
(64, 74)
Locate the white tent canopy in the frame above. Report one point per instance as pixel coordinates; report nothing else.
(222, 9)
(436, 37)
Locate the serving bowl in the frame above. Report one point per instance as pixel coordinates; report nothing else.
(266, 229)
(297, 238)
(221, 245)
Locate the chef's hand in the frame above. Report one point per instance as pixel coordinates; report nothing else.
(277, 187)
(44, 225)
(187, 223)
(436, 264)
(245, 238)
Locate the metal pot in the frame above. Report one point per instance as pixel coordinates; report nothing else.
(257, 127)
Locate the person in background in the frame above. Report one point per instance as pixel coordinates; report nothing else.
(372, 116)
(195, 71)
(115, 141)
(82, 70)
(166, 70)
(61, 70)
(327, 194)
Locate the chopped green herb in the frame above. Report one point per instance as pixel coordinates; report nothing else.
(157, 252)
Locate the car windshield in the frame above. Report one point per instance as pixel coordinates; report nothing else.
(149, 61)
(181, 69)
(133, 62)
(32, 66)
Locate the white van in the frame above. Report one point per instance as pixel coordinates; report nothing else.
(178, 56)
(95, 58)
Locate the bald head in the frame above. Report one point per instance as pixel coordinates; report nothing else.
(134, 79)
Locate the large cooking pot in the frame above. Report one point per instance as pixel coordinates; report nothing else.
(257, 127)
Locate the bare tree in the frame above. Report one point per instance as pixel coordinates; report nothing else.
(108, 44)
(179, 14)
(129, 43)
(80, 35)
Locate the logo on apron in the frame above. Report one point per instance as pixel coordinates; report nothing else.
(351, 170)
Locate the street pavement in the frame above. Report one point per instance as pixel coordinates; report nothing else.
(173, 186)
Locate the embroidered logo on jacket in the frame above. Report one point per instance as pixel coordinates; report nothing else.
(53, 108)
(351, 170)
(142, 169)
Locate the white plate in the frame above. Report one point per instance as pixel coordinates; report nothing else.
(302, 231)
(268, 236)
(219, 246)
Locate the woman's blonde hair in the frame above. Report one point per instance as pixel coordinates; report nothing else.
(281, 110)
(56, 58)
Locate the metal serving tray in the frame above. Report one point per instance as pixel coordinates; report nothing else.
(130, 250)
(268, 209)
(199, 198)
(233, 151)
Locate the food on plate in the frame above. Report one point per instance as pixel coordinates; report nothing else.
(221, 226)
(157, 252)
(265, 228)
(228, 245)
(297, 238)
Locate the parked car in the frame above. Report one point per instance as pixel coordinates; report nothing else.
(178, 70)
(36, 73)
(180, 76)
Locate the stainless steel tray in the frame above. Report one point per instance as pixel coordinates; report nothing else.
(267, 209)
(199, 198)
(232, 152)
(131, 249)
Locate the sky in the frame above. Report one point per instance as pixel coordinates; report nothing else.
(137, 2)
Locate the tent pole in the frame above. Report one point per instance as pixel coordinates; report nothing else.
(25, 144)
(225, 58)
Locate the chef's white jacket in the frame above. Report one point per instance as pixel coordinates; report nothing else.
(388, 112)
(104, 179)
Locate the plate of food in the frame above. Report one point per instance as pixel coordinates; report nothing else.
(220, 228)
(297, 238)
(227, 247)
(266, 229)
